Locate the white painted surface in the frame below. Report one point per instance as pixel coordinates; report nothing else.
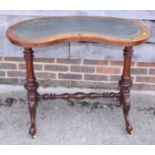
(133, 14)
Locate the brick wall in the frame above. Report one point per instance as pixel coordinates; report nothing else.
(77, 73)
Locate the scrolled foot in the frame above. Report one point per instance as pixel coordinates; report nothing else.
(129, 129)
(126, 108)
(33, 132)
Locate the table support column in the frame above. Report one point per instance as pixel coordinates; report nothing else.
(125, 84)
(31, 86)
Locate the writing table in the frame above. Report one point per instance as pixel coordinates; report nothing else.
(48, 31)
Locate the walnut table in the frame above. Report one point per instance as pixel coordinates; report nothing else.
(42, 32)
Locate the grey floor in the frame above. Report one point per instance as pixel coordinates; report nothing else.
(75, 122)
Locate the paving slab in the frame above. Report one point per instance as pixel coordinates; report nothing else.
(80, 122)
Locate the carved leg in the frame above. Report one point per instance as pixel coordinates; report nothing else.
(31, 86)
(125, 85)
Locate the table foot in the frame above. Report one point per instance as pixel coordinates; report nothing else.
(129, 129)
(32, 103)
(33, 132)
(32, 96)
(126, 108)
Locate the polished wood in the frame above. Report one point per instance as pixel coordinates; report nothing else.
(125, 85)
(79, 96)
(31, 86)
(125, 82)
(43, 42)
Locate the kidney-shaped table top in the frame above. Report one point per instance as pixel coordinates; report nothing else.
(41, 32)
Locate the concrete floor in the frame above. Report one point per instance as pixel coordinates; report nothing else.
(75, 122)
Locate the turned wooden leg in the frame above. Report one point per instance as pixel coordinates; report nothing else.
(125, 85)
(31, 86)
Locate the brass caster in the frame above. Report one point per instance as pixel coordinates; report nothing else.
(129, 129)
(34, 136)
(32, 132)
